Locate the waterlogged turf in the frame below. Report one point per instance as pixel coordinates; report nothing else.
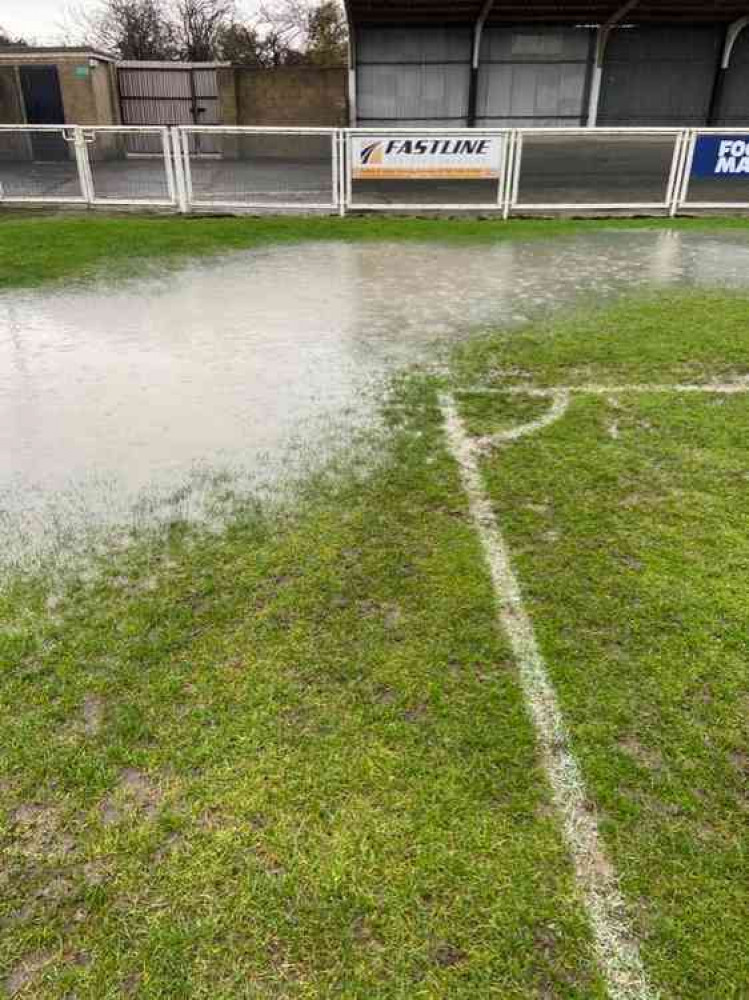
(36, 250)
(627, 521)
(291, 760)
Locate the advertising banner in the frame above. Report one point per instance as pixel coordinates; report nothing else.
(433, 157)
(722, 156)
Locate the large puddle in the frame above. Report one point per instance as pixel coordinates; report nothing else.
(133, 402)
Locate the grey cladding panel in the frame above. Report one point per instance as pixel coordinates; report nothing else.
(533, 75)
(399, 45)
(659, 76)
(535, 44)
(395, 92)
(413, 75)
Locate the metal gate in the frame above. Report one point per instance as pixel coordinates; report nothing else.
(169, 94)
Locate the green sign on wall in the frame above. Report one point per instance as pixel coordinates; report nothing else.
(82, 71)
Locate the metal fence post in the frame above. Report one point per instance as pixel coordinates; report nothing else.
(85, 177)
(349, 168)
(674, 175)
(179, 170)
(183, 151)
(336, 171)
(507, 177)
(169, 166)
(682, 190)
(676, 178)
(513, 176)
(342, 167)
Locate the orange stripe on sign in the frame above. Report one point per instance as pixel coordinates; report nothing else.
(432, 173)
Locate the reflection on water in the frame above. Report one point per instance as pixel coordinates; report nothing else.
(122, 401)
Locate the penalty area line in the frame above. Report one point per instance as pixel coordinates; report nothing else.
(615, 942)
(736, 387)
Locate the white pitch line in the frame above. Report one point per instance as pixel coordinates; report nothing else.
(615, 941)
(561, 400)
(720, 388)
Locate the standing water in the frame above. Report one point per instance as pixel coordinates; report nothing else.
(120, 402)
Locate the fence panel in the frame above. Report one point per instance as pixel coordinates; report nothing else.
(497, 170)
(601, 169)
(262, 168)
(426, 169)
(40, 163)
(716, 172)
(118, 177)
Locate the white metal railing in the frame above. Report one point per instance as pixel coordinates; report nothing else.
(593, 177)
(42, 164)
(280, 168)
(118, 176)
(503, 171)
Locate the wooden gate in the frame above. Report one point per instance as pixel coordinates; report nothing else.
(165, 93)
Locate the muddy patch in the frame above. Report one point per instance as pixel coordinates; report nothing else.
(449, 955)
(648, 757)
(173, 843)
(135, 795)
(26, 970)
(93, 714)
(37, 833)
(417, 713)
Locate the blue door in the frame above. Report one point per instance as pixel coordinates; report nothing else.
(42, 98)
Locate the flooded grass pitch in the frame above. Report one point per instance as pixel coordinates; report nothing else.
(296, 756)
(150, 400)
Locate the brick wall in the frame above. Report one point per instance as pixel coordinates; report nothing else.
(11, 111)
(87, 100)
(285, 96)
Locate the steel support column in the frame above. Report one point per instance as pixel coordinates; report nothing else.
(478, 34)
(602, 39)
(353, 112)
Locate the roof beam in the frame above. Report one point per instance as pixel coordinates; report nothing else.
(732, 36)
(426, 12)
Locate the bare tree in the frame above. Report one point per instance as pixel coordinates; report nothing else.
(6, 41)
(131, 29)
(314, 30)
(199, 24)
(287, 32)
(240, 44)
(327, 35)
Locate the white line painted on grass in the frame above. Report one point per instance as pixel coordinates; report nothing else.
(735, 387)
(560, 402)
(615, 942)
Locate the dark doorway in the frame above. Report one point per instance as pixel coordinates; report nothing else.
(43, 100)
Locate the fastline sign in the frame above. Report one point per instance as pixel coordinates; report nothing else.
(722, 156)
(426, 158)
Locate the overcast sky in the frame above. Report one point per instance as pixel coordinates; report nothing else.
(42, 21)
(34, 19)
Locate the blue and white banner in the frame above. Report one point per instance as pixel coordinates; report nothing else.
(721, 156)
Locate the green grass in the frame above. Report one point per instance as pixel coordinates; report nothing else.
(628, 520)
(292, 760)
(288, 761)
(36, 250)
